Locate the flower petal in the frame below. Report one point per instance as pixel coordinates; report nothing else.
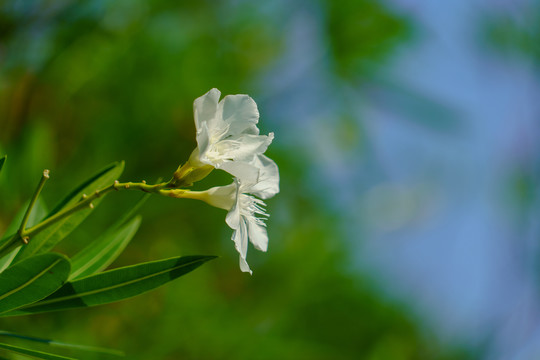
(233, 218)
(240, 238)
(205, 108)
(244, 171)
(243, 147)
(223, 197)
(203, 142)
(240, 112)
(268, 183)
(244, 266)
(258, 235)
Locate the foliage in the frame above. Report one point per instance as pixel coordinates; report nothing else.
(510, 34)
(35, 279)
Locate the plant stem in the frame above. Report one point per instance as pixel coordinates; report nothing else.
(9, 244)
(21, 231)
(86, 202)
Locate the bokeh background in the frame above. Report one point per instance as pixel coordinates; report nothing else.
(407, 135)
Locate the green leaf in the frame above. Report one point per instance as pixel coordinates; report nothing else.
(54, 343)
(114, 285)
(32, 279)
(101, 252)
(129, 215)
(34, 353)
(6, 260)
(48, 238)
(102, 178)
(2, 161)
(39, 211)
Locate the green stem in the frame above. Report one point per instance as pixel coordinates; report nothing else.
(9, 244)
(84, 203)
(24, 221)
(87, 202)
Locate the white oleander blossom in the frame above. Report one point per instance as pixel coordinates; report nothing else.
(228, 139)
(227, 134)
(246, 213)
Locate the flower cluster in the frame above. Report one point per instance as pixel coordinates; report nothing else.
(228, 139)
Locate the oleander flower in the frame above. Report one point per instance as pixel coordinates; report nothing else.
(227, 138)
(246, 214)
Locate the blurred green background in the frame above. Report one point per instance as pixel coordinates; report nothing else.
(83, 84)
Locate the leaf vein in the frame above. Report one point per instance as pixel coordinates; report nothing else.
(11, 292)
(87, 293)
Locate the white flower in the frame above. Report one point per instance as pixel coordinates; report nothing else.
(228, 139)
(246, 212)
(227, 134)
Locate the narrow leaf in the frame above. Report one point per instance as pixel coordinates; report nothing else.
(101, 252)
(48, 238)
(32, 279)
(96, 181)
(36, 215)
(38, 212)
(131, 213)
(6, 260)
(49, 342)
(115, 285)
(34, 353)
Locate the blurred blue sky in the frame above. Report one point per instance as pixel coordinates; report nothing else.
(438, 226)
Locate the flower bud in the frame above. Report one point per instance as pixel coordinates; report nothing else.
(191, 172)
